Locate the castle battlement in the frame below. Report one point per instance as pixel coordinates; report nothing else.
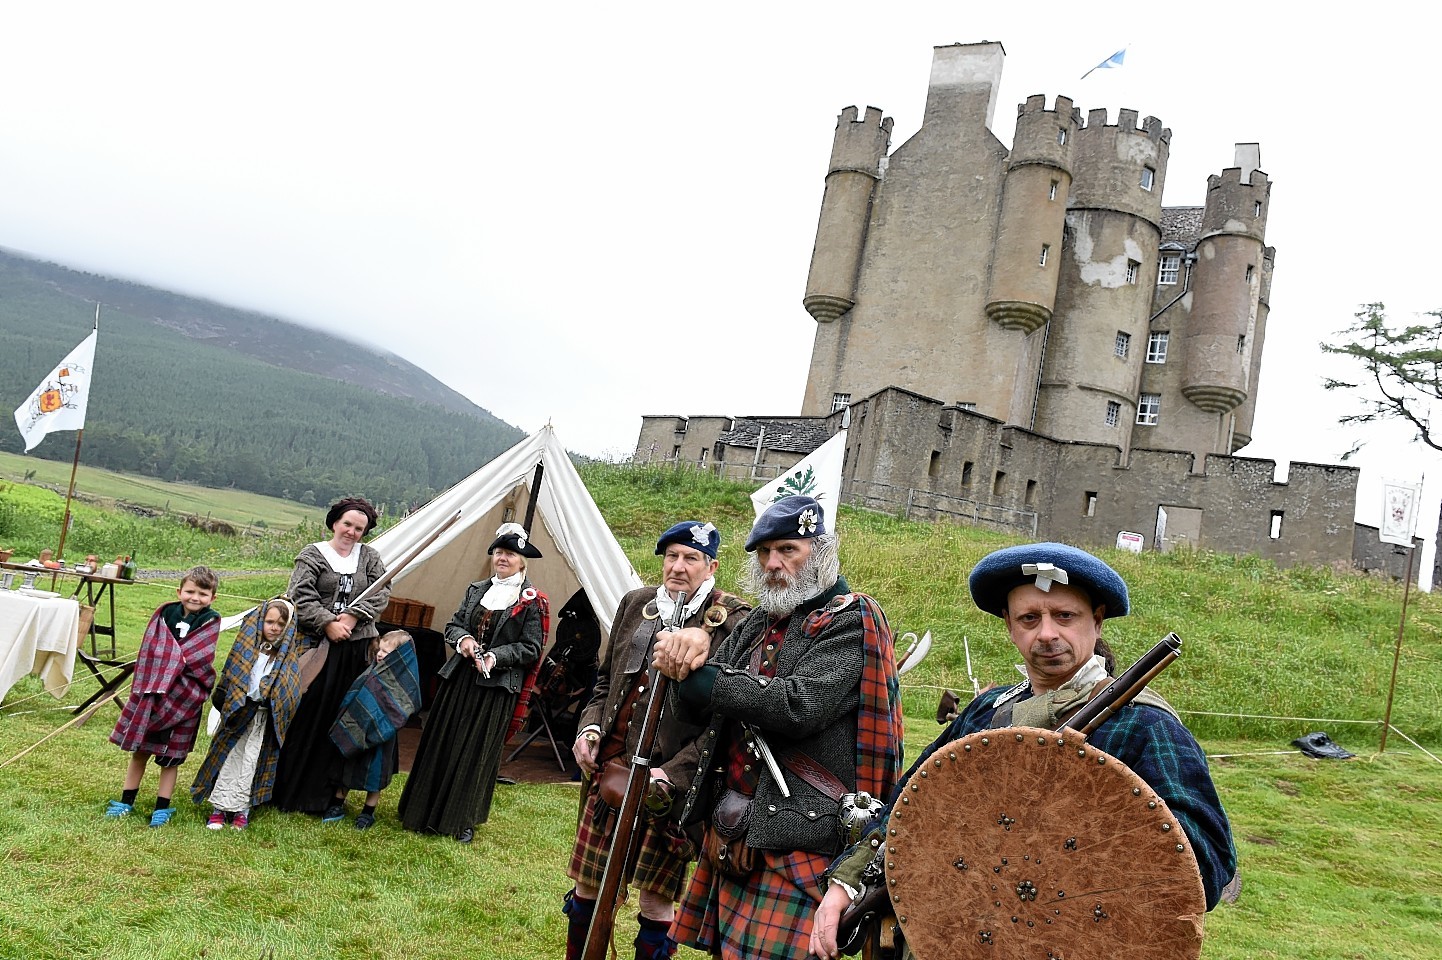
(1064, 110)
(1232, 176)
(1127, 123)
(861, 141)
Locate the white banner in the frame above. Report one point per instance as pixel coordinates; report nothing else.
(818, 476)
(1399, 512)
(60, 400)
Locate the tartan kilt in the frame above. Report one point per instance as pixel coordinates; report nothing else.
(767, 917)
(661, 861)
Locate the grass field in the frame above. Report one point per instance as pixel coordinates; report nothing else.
(1340, 860)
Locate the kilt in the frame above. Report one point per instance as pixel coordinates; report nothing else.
(768, 917)
(659, 865)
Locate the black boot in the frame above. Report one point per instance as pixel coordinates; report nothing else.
(578, 910)
(653, 940)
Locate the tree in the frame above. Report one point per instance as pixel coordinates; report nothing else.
(1404, 364)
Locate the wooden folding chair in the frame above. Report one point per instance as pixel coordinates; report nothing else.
(109, 687)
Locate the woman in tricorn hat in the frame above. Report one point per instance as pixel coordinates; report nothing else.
(498, 634)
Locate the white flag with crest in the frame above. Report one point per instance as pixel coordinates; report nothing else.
(818, 476)
(60, 400)
(1399, 512)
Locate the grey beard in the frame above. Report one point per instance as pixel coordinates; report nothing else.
(779, 601)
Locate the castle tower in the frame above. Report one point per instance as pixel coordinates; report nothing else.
(1027, 260)
(1227, 284)
(856, 154)
(1088, 385)
(1242, 419)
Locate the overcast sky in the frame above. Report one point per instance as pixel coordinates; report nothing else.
(583, 213)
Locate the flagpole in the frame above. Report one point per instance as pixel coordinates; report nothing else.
(74, 466)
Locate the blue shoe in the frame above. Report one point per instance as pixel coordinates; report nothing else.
(161, 817)
(334, 813)
(118, 809)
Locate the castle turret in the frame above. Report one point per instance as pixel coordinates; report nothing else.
(1029, 231)
(1096, 340)
(856, 154)
(1242, 424)
(1226, 285)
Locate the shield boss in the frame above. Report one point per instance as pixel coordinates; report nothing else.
(1030, 843)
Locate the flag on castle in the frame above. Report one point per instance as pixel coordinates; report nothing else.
(818, 476)
(59, 402)
(1115, 60)
(1399, 512)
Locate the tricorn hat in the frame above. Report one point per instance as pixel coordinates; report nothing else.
(513, 537)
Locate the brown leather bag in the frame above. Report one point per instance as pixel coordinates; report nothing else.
(726, 847)
(615, 775)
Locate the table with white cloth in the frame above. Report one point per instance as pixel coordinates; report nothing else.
(38, 635)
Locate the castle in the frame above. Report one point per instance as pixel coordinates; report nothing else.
(1029, 338)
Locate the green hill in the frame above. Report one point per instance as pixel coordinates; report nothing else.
(189, 390)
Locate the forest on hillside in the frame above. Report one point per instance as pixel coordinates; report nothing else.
(167, 405)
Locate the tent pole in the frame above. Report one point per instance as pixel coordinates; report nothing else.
(535, 493)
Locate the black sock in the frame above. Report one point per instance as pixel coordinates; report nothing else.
(162, 803)
(128, 796)
(370, 810)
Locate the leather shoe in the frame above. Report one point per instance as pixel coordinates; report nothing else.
(466, 835)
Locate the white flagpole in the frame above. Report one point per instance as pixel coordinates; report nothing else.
(74, 466)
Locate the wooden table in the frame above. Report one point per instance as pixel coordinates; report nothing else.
(39, 636)
(99, 594)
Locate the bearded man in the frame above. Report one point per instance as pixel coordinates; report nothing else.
(802, 716)
(610, 734)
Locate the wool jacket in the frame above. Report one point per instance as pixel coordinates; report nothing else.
(516, 636)
(628, 661)
(809, 707)
(313, 586)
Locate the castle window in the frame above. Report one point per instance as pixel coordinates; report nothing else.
(1169, 269)
(1089, 504)
(1030, 492)
(966, 474)
(1123, 344)
(1046, 249)
(966, 405)
(1149, 409)
(1149, 177)
(996, 484)
(1132, 269)
(1276, 531)
(1114, 413)
(1157, 347)
(840, 401)
(676, 452)
(1061, 136)
(681, 426)
(1257, 209)
(1250, 270)
(1242, 343)
(720, 453)
(1051, 193)
(701, 461)
(933, 469)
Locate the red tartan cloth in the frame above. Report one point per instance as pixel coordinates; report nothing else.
(173, 679)
(523, 702)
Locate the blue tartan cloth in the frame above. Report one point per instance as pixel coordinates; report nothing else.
(380, 702)
(1160, 750)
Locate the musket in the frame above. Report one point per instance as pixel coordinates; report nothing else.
(628, 819)
(852, 931)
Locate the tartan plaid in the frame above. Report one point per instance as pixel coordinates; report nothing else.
(660, 863)
(878, 716)
(173, 678)
(281, 691)
(767, 917)
(523, 703)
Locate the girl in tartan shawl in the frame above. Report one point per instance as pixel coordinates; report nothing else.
(174, 671)
(256, 698)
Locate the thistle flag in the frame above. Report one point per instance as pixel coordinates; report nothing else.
(1399, 512)
(60, 400)
(818, 476)
(1115, 60)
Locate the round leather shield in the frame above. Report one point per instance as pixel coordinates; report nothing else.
(1030, 843)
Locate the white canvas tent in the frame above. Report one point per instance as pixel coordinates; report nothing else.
(579, 549)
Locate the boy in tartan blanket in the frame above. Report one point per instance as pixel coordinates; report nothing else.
(174, 673)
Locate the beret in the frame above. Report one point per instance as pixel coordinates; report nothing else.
(795, 517)
(694, 534)
(1000, 572)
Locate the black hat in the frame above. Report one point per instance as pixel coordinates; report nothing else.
(512, 537)
(1043, 564)
(694, 534)
(795, 517)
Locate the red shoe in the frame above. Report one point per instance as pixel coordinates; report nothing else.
(240, 822)
(216, 821)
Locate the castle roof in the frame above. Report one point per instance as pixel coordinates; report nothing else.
(786, 434)
(1182, 225)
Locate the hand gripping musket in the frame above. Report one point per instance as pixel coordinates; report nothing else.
(628, 819)
(869, 925)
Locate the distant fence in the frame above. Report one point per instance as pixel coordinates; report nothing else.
(912, 504)
(731, 470)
